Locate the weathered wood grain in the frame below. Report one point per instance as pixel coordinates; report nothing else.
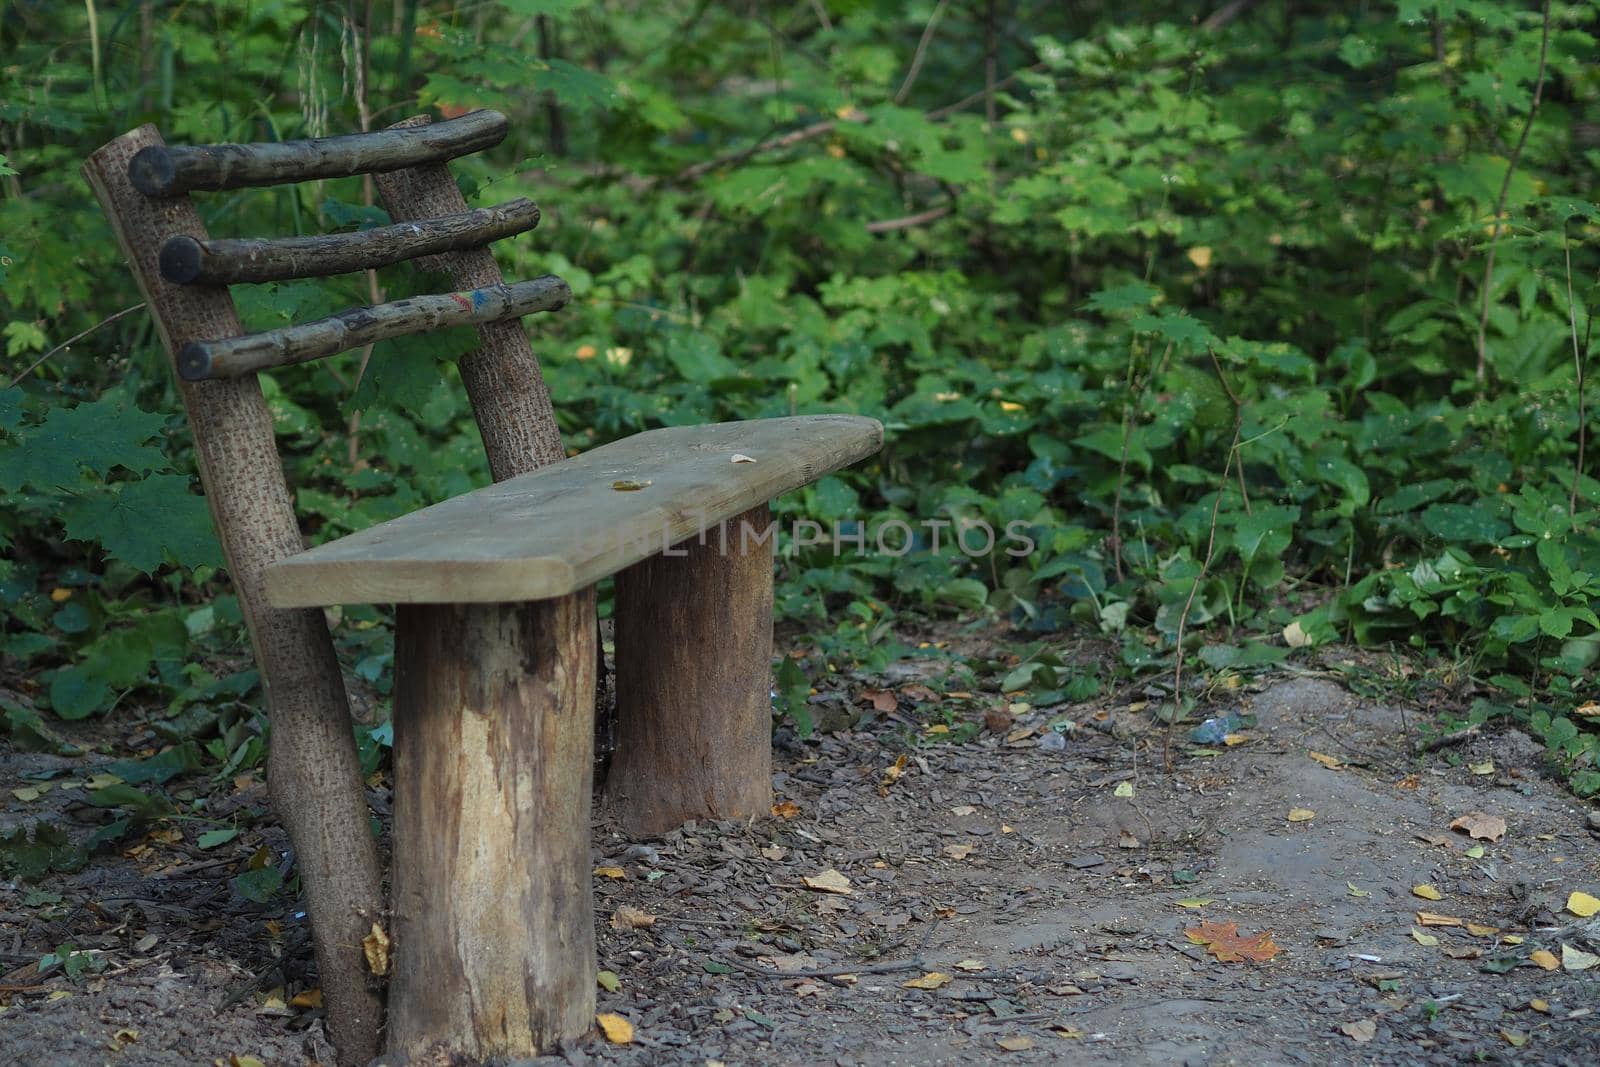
(232, 357)
(493, 754)
(505, 386)
(172, 170)
(694, 672)
(188, 261)
(564, 527)
(312, 770)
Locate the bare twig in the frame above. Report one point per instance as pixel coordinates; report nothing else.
(1225, 14)
(906, 222)
(921, 53)
(1578, 363)
(1500, 201)
(74, 339)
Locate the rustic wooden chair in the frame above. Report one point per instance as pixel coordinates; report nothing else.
(492, 922)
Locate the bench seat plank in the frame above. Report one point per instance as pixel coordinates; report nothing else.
(563, 527)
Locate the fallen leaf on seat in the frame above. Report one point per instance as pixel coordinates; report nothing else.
(629, 485)
(628, 917)
(618, 1030)
(931, 980)
(1224, 941)
(828, 881)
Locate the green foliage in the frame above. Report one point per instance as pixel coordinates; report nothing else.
(1195, 314)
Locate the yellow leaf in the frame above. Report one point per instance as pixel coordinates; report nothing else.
(58, 595)
(1426, 892)
(938, 728)
(1333, 763)
(1193, 902)
(1545, 959)
(375, 946)
(1301, 815)
(1474, 853)
(630, 485)
(618, 1030)
(1016, 1044)
(610, 872)
(1019, 135)
(1123, 789)
(242, 1060)
(785, 809)
(828, 881)
(1200, 256)
(1480, 930)
(1295, 636)
(1426, 940)
(1540, 1006)
(1010, 406)
(1582, 904)
(1486, 767)
(29, 793)
(1357, 892)
(971, 965)
(586, 352)
(931, 980)
(1514, 1038)
(1511, 939)
(1234, 739)
(307, 998)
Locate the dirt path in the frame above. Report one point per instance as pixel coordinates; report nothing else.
(1061, 925)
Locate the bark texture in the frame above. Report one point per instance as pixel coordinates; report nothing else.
(312, 767)
(493, 752)
(509, 397)
(694, 705)
(162, 170)
(233, 357)
(269, 259)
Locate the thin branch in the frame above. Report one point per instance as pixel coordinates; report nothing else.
(1500, 201)
(1579, 366)
(908, 221)
(1225, 14)
(74, 339)
(921, 53)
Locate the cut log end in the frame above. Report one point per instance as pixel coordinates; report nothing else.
(181, 259)
(194, 362)
(153, 172)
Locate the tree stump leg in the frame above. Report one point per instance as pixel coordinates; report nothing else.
(693, 680)
(494, 951)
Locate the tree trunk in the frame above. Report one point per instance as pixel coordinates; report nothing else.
(493, 743)
(312, 770)
(694, 658)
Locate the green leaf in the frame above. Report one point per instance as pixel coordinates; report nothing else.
(258, 884)
(213, 838)
(160, 767)
(76, 693)
(1465, 523)
(96, 437)
(1135, 296)
(146, 523)
(794, 694)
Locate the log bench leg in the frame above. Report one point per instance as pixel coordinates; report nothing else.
(494, 951)
(693, 681)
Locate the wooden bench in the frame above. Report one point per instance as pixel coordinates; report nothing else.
(492, 925)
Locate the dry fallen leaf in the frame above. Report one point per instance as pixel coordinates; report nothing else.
(971, 965)
(1514, 1038)
(1301, 815)
(618, 1030)
(740, 457)
(1479, 825)
(1425, 940)
(1573, 959)
(376, 948)
(1426, 892)
(629, 485)
(1428, 918)
(1193, 902)
(1480, 930)
(774, 852)
(1224, 941)
(892, 773)
(882, 700)
(1295, 636)
(1540, 1006)
(608, 981)
(828, 881)
(1582, 904)
(307, 998)
(1333, 763)
(963, 810)
(959, 852)
(1123, 789)
(1015, 1044)
(1591, 710)
(931, 980)
(1484, 768)
(611, 872)
(1545, 959)
(807, 988)
(785, 809)
(1351, 886)
(997, 720)
(1361, 1031)
(628, 917)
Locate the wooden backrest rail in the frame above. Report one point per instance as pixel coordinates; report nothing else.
(186, 260)
(233, 357)
(172, 170)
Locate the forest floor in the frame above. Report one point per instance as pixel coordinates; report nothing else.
(993, 899)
